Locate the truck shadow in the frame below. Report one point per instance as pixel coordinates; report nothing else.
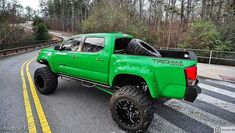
(92, 107)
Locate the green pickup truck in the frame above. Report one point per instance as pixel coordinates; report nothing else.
(131, 70)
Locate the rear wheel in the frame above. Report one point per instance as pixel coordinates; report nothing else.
(132, 109)
(45, 81)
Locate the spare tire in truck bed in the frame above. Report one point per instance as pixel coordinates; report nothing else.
(138, 47)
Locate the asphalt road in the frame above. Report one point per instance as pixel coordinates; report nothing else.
(76, 109)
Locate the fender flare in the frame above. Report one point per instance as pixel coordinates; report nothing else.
(146, 74)
(46, 61)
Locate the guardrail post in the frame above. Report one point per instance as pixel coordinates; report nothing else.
(210, 57)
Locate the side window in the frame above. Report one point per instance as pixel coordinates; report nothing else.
(93, 44)
(72, 44)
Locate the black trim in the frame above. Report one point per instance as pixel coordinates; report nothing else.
(89, 82)
(42, 62)
(178, 54)
(192, 92)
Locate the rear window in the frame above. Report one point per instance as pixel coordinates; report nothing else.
(121, 44)
(93, 44)
(95, 41)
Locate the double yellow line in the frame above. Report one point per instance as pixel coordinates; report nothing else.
(29, 114)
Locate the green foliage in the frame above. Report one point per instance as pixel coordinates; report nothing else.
(37, 20)
(104, 19)
(228, 34)
(204, 35)
(113, 18)
(40, 30)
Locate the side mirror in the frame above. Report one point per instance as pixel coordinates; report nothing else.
(57, 47)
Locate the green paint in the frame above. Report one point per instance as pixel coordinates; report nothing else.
(165, 77)
(104, 90)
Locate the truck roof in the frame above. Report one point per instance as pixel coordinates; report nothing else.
(117, 35)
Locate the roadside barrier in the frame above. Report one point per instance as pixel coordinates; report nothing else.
(18, 50)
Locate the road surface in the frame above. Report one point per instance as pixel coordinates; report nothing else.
(73, 108)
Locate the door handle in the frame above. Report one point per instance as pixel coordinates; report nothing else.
(99, 59)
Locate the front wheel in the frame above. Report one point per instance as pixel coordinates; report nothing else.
(132, 109)
(45, 81)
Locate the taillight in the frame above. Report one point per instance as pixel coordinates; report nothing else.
(191, 75)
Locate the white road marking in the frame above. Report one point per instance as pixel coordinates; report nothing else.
(217, 90)
(217, 102)
(221, 83)
(197, 114)
(161, 125)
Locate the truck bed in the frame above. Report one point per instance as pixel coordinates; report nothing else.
(169, 54)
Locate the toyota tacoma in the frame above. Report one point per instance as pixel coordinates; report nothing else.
(135, 73)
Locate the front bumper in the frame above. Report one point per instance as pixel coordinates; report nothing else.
(192, 92)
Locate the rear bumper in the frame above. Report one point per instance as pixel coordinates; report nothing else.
(192, 92)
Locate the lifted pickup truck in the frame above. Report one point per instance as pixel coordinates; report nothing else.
(130, 69)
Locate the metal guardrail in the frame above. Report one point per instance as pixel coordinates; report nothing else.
(210, 56)
(13, 51)
(12, 45)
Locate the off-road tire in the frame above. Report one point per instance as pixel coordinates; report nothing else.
(45, 81)
(138, 47)
(141, 101)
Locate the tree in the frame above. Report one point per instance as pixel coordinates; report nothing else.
(37, 20)
(40, 30)
(11, 13)
(29, 13)
(161, 22)
(203, 34)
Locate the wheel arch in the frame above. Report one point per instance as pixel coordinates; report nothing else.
(122, 79)
(47, 63)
